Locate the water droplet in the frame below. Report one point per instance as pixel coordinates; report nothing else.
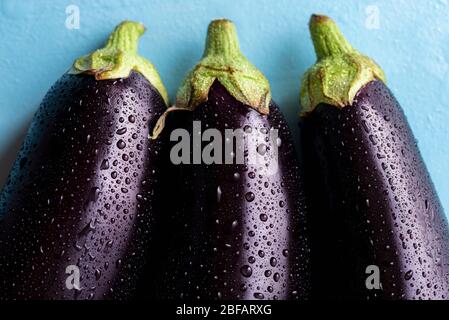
(408, 275)
(273, 262)
(77, 246)
(218, 194)
(373, 139)
(94, 194)
(276, 277)
(263, 217)
(104, 165)
(109, 244)
(258, 295)
(246, 271)
(261, 253)
(285, 253)
(121, 144)
(278, 142)
(262, 149)
(365, 126)
(131, 119)
(249, 196)
(121, 131)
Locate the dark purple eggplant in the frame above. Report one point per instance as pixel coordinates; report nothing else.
(236, 229)
(82, 195)
(375, 216)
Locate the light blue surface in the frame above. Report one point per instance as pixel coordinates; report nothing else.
(411, 43)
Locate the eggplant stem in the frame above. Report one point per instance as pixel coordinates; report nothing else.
(222, 40)
(327, 37)
(119, 57)
(126, 37)
(223, 61)
(340, 71)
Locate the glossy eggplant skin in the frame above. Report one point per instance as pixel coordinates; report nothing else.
(235, 231)
(373, 203)
(83, 192)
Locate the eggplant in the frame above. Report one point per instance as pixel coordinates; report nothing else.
(378, 230)
(237, 228)
(79, 202)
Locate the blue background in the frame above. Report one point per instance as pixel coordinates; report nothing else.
(411, 44)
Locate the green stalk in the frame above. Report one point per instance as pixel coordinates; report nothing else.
(340, 71)
(223, 61)
(119, 57)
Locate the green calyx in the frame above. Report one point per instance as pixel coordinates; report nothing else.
(340, 71)
(119, 57)
(223, 61)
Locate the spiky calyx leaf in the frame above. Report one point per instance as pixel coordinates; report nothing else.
(119, 57)
(222, 61)
(340, 71)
